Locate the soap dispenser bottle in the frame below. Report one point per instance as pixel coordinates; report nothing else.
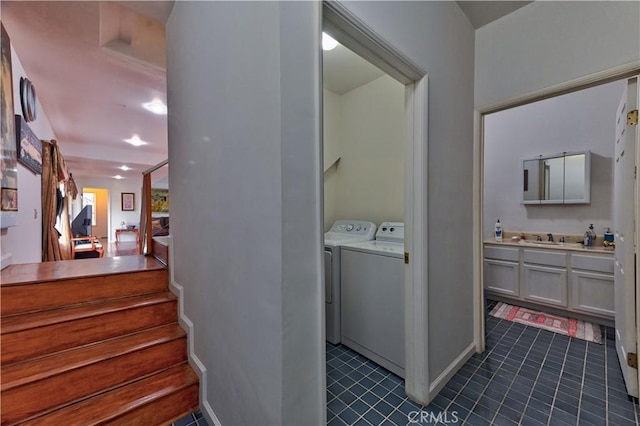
(498, 231)
(608, 235)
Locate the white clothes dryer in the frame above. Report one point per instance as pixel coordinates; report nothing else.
(342, 232)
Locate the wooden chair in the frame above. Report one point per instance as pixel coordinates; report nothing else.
(86, 247)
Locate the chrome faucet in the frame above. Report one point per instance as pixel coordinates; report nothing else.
(550, 237)
(538, 237)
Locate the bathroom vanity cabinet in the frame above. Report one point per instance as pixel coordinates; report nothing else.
(569, 278)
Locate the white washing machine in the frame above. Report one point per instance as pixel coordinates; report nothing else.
(342, 232)
(372, 310)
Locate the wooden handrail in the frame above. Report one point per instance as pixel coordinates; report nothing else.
(156, 167)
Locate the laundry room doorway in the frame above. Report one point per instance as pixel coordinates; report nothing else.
(375, 162)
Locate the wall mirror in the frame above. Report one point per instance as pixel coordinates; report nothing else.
(557, 179)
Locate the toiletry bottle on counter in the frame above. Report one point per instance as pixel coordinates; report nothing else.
(498, 231)
(589, 237)
(608, 236)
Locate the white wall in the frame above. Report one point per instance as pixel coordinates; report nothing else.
(244, 94)
(370, 175)
(550, 42)
(331, 144)
(438, 38)
(23, 242)
(578, 121)
(115, 213)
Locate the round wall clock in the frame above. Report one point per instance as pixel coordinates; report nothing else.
(28, 99)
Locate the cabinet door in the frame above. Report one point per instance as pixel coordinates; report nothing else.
(502, 277)
(593, 292)
(545, 284)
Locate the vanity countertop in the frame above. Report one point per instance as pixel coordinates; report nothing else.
(551, 246)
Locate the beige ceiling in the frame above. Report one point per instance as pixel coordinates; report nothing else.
(343, 70)
(93, 74)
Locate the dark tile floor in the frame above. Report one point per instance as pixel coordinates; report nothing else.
(193, 419)
(526, 376)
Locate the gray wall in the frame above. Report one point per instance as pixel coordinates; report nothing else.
(243, 96)
(244, 152)
(438, 38)
(551, 42)
(578, 121)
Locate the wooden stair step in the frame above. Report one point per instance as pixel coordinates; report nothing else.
(21, 373)
(68, 269)
(14, 323)
(157, 399)
(124, 360)
(30, 297)
(36, 334)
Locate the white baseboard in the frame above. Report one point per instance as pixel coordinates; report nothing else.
(194, 361)
(5, 260)
(437, 385)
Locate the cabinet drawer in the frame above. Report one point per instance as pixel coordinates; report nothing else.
(593, 293)
(502, 277)
(592, 263)
(501, 253)
(546, 257)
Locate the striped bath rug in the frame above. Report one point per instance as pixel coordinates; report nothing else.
(568, 326)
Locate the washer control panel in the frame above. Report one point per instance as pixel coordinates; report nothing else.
(390, 231)
(354, 227)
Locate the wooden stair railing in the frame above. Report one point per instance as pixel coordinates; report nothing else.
(103, 349)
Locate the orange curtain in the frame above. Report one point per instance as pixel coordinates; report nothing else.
(145, 215)
(53, 172)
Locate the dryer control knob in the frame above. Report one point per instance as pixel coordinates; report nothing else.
(349, 227)
(358, 227)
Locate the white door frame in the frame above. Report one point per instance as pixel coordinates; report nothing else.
(591, 80)
(353, 33)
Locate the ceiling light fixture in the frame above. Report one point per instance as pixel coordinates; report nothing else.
(118, 177)
(135, 141)
(328, 42)
(124, 168)
(156, 106)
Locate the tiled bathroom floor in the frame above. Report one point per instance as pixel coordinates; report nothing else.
(193, 419)
(526, 376)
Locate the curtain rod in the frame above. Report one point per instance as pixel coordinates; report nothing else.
(156, 167)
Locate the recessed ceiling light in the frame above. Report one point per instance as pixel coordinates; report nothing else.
(156, 106)
(118, 177)
(124, 168)
(135, 141)
(328, 42)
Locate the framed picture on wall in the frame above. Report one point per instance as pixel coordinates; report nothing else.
(128, 199)
(29, 146)
(8, 152)
(9, 199)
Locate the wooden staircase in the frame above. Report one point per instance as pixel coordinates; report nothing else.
(93, 341)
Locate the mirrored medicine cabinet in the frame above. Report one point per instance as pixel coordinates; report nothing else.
(557, 179)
